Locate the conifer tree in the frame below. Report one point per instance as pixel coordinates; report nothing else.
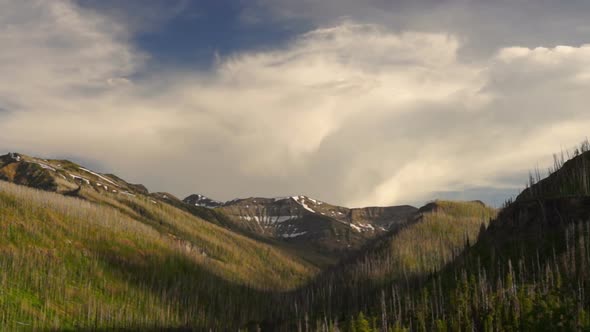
(362, 324)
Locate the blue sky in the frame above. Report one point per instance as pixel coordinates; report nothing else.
(192, 33)
(372, 102)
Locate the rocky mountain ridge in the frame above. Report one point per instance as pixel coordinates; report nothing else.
(301, 218)
(61, 176)
(298, 221)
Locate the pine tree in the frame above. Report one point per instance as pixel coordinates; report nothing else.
(351, 325)
(362, 324)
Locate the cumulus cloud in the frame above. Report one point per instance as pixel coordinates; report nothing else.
(482, 25)
(354, 114)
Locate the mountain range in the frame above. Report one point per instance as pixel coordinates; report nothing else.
(304, 219)
(80, 249)
(299, 220)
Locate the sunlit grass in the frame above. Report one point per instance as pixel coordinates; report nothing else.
(127, 262)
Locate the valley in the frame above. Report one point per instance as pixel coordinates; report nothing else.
(128, 258)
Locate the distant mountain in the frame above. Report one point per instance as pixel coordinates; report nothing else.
(322, 233)
(303, 219)
(200, 200)
(293, 218)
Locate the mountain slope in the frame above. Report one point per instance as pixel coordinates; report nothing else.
(200, 200)
(61, 176)
(315, 231)
(528, 271)
(566, 178)
(433, 238)
(139, 260)
(105, 259)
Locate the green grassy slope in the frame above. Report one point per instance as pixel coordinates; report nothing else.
(528, 271)
(130, 259)
(70, 179)
(128, 262)
(437, 236)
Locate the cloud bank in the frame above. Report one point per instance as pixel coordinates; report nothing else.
(352, 113)
(482, 25)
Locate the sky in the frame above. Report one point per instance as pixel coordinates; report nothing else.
(355, 103)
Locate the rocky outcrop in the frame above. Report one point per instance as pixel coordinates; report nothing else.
(200, 200)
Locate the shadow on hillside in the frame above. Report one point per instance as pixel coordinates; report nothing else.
(531, 228)
(204, 299)
(525, 230)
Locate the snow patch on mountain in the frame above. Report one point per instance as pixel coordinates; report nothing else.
(75, 177)
(99, 176)
(301, 201)
(292, 235)
(45, 166)
(356, 228)
(363, 227)
(100, 185)
(269, 219)
(15, 156)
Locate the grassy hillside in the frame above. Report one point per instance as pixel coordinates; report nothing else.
(439, 234)
(435, 237)
(569, 177)
(130, 259)
(128, 262)
(528, 271)
(70, 179)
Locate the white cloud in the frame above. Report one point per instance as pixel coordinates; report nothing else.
(287, 101)
(483, 25)
(354, 114)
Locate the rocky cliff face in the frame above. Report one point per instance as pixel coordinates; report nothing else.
(200, 200)
(266, 215)
(270, 216)
(302, 219)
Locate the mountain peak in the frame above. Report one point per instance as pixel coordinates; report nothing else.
(15, 156)
(201, 200)
(11, 157)
(306, 202)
